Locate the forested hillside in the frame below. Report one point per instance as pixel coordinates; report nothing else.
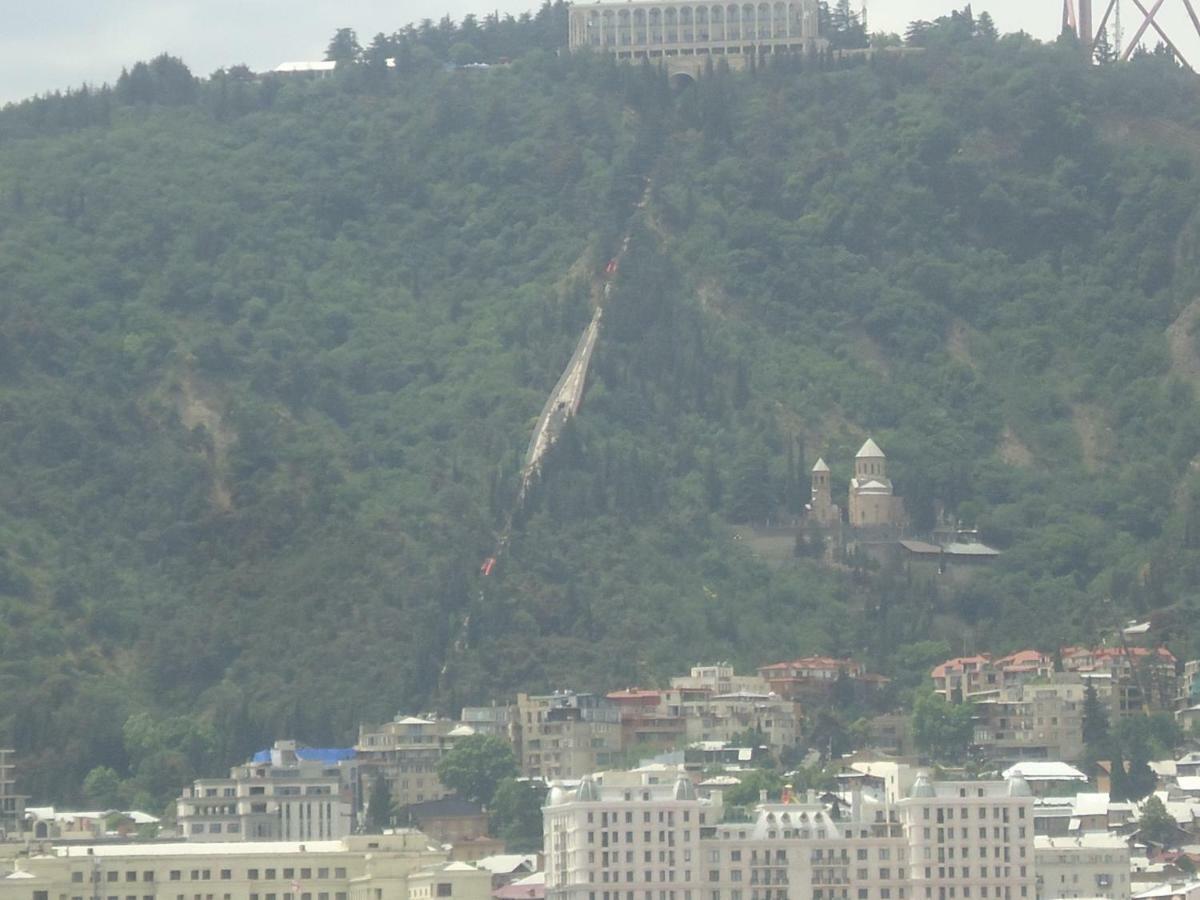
(270, 352)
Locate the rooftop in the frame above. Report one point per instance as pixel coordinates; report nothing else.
(1094, 840)
(869, 450)
(1035, 770)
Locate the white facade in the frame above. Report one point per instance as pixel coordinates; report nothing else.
(1089, 865)
(285, 798)
(656, 30)
(945, 841)
(355, 868)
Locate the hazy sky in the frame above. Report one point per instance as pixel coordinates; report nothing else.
(64, 43)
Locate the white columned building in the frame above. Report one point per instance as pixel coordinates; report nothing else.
(695, 32)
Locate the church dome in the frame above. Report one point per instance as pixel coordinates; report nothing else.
(821, 466)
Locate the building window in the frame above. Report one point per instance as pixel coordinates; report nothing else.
(443, 889)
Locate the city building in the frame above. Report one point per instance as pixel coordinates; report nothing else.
(358, 867)
(453, 880)
(565, 734)
(622, 841)
(686, 35)
(1039, 720)
(976, 677)
(1046, 777)
(46, 822)
(406, 752)
(813, 679)
(718, 678)
(1142, 677)
(449, 820)
(495, 721)
(646, 724)
(287, 793)
(1087, 865)
(12, 804)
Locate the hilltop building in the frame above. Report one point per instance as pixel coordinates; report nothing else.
(873, 504)
(826, 513)
(686, 35)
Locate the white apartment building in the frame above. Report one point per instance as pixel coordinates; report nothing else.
(943, 841)
(1087, 865)
(284, 794)
(366, 867)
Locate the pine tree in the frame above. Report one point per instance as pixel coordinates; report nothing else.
(1117, 789)
(380, 806)
(1095, 720)
(1104, 53)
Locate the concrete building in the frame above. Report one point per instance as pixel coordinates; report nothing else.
(449, 820)
(1040, 720)
(366, 867)
(565, 734)
(1142, 678)
(686, 35)
(977, 677)
(495, 721)
(1088, 865)
(406, 752)
(813, 679)
(944, 840)
(1047, 777)
(647, 727)
(719, 678)
(873, 506)
(287, 793)
(12, 804)
(48, 823)
(454, 880)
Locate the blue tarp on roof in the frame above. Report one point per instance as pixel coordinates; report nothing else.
(319, 754)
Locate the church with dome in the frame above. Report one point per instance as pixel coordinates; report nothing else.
(872, 505)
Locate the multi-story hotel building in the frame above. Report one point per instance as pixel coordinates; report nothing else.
(942, 841)
(638, 29)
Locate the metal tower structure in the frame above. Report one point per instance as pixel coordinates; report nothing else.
(1077, 16)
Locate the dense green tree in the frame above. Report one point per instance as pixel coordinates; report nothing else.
(476, 765)
(750, 787)
(1095, 720)
(515, 814)
(102, 788)
(381, 807)
(344, 47)
(942, 730)
(1157, 825)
